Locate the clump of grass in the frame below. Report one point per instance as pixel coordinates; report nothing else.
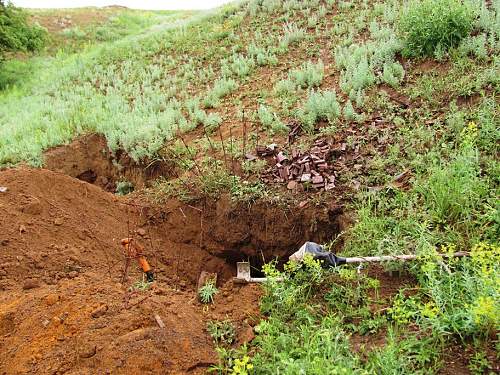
(213, 180)
(207, 292)
(222, 332)
(431, 27)
(316, 306)
(251, 167)
(479, 363)
(124, 187)
(74, 33)
(141, 286)
(453, 193)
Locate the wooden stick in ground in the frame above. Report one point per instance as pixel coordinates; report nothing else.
(125, 270)
(209, 141)
(201, 229)
(159, 321)
(153, 250)
(192, 157)
(257, 139)
(189, 151)
(244, 133)
(188, 187)
(257, 130)
(232, 149)
(223, 148)
(127, 258)
(201, 222)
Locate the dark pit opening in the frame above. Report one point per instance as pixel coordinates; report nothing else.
(88, 176)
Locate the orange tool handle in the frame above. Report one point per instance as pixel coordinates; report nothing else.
(144, 264)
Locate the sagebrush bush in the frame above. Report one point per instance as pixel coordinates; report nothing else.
(292, 34)
(319, 106)
(432, 26)
(238, 65)
(270, 120)
(222, 87)
(373, 61)
(266, 117)
(475, 46)
(393, 74)
(284, 87)
(309, 74)
(349, 112)
(262, 55)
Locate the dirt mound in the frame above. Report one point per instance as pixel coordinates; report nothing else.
(62, 306)
(55, 227)
(80, 326)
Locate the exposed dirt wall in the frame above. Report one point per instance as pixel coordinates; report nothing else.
(89, 159)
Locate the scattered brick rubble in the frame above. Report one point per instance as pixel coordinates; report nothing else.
(310, 167)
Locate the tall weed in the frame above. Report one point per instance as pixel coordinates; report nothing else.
(430, 27)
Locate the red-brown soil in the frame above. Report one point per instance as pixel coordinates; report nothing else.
(63, 308)
(223, 228)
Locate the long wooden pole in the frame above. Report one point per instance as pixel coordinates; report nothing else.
(403, 258)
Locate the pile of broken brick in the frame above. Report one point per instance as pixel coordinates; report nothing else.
(309, 168)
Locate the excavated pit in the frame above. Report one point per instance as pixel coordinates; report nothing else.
(58, 224)
(212, 231)
(236, 232)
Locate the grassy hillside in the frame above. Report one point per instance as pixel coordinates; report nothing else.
(409, 93)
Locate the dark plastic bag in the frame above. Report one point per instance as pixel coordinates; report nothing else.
(326, 258)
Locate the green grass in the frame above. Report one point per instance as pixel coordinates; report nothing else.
(75, 29)
(222, 332)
